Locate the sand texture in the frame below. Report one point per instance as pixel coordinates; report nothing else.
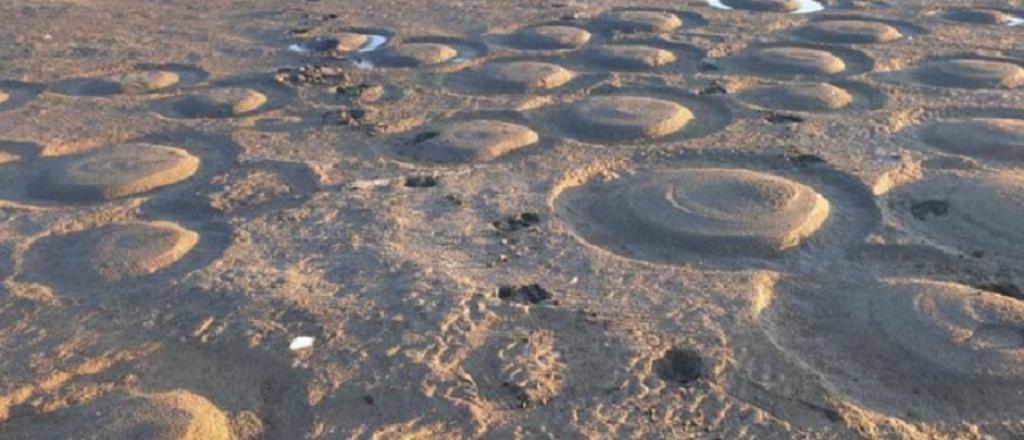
(512, 220)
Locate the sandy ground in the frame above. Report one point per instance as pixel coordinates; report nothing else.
(511, 220)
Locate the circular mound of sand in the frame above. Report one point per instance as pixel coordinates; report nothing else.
(801, 97)
(420, 54)
(552, 37)
(699, 211)
(4, 97)
(975, 74)
(221, 103)
(632, 56)
(850, 32)
(979, 16)
(975, 213)
(987, 138)
(350, 42)
(468, 141)
(117, 171)
(176, 415)
(123, 251)
(641, 21)
(764, 5)
(133, 83)
(795, 61)
(993, 202)
(954, 327)
(526, 76)
(628, 117)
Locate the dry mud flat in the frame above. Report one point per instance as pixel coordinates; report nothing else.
(742, 219)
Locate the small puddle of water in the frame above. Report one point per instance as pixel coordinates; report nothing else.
(376, 41)
(363, 63)
(366, 64)
(806, 6)
(1014, 21)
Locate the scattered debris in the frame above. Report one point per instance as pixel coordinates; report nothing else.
(301, 342)
(518, 222)
(363, 92)
(779, 118)
(801, 159)
(344, 117)
(714, 89)
(456, 199)
(421, 182)
(528, 294)
(310, 74)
